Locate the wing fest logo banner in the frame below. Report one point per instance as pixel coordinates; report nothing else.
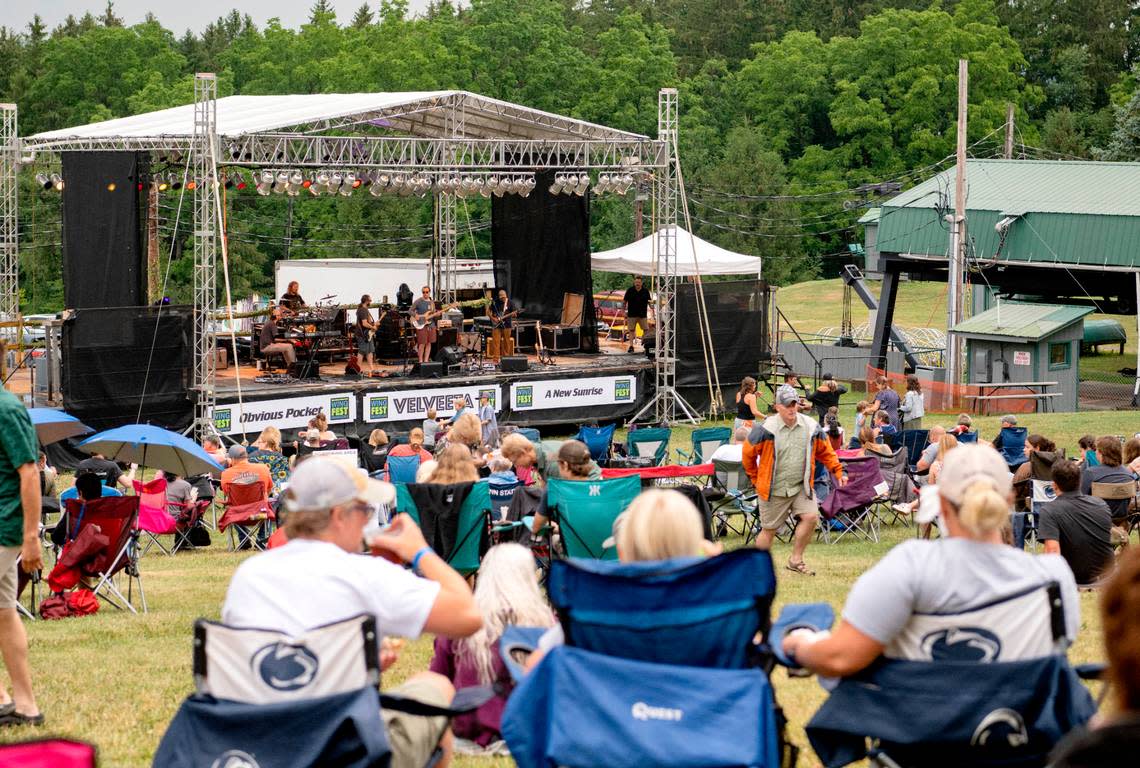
(573, 393)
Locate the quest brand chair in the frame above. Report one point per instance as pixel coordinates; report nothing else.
(267, 698)
(665, 664)
(914, 441)
(1011, 446)
(585, 511)
(402, 469)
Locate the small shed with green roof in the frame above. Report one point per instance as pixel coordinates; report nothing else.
(1020, 342)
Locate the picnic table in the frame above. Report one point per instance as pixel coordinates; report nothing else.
(1038, 391)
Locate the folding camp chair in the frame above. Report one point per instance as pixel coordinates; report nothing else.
(248, 515)
(901, 487)
(585, 511)
(665, 664)
(154, 520)
(649, 441)
(850, 508)
(599, 440)
(966, 438)
(402, 469)
(914, 441)
(1011, 446)
(48, 753)
(300, 701)
(530, 433)
(732, 494)
(987, 686)
(705, 443)
(117, 518)
(190, 516)
(470, 540)
(501, 495)
(1024, 524)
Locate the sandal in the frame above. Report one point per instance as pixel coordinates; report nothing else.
(15, 718)
(800, 568)
(7, 709)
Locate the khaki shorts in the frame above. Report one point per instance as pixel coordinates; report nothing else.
(412, 738)
(777, 509)
(9, 572)
(631, 324)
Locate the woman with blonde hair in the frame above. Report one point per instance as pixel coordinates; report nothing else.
(466, 431)
(455, 465)
(868, 445)
(374, 455)
(506, 592)
(268, 440)
(969, 572)
(521, 453)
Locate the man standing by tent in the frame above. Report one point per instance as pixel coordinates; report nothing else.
(636, 304)
(19, 540)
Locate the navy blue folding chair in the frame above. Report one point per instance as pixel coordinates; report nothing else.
(599, 440)
(661, 662)
(1011, 445)
(966, 438)
(530, 433)
(914, 441)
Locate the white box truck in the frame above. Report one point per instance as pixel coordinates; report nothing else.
(345, 280)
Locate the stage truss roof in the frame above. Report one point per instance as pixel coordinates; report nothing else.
(266, 130)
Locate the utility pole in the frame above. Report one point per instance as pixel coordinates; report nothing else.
(957, 238)
(1007, 150)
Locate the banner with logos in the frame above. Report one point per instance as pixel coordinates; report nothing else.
(413, 404)
(284, 413)
(573, 393)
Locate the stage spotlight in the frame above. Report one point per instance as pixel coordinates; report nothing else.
(335, 182)
(111, 187)
(526, 186)
(626, 183)
(43, 180)
(175, 181)
(559, 183)
(191, 184)
(161, 184)
(482, 186)
(282, 183)
(265, 183)
(57, 182)
(354, 181)
(379, 182)
(583, 184)
(347, 185)
(295, 184)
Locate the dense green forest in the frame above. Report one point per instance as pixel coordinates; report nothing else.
(788, 107)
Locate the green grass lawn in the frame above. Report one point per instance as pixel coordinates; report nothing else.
(116, 679)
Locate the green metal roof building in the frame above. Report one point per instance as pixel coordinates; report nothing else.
(1019, 342)
(1080, 218)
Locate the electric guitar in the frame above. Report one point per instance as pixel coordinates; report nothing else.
(370, 334)
(419, 322)
(498, 320)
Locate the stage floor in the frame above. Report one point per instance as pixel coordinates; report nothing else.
(611, 359)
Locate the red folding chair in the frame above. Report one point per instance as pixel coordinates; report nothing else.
(117, 518)
(190, 516)
(247, 509)
(154, 520)
(48, 753)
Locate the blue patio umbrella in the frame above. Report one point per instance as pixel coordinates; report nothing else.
(153, 447)
(52, 425)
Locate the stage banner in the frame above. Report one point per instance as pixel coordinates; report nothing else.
(573, 393)
(413, 404)
(285, 413)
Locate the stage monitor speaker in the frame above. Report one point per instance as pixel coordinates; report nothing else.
(449, 356)
(430, 370)
(514, 364)
(301, 370)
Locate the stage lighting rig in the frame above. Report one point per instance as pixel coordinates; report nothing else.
(265, 183)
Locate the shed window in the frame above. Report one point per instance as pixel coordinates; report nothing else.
(1059, 356)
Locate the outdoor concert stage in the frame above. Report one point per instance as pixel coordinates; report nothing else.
(575, 388)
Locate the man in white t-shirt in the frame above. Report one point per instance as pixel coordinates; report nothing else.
(733, 450)
(321, 576)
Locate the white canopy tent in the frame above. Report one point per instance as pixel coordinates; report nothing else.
(637, 258)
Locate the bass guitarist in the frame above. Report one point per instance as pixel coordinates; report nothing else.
(501, 311)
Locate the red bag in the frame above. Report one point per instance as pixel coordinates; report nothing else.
(81, 602)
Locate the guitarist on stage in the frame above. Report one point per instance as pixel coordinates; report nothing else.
(502, 311)
(366, 332)
(423, 311)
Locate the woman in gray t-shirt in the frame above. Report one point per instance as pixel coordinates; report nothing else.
(966, 597)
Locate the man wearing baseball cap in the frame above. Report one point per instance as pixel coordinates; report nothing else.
(780, 458)
(322, 576)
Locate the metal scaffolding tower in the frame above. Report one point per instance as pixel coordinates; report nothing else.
(9, 219)
(204, 174)
(446, 231)
(667, 402)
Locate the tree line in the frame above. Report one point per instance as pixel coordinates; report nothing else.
(795, 116)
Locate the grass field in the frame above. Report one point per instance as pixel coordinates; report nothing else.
(818, 304)
(116, 679)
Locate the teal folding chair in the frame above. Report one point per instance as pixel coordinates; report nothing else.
(651, 441)
(705, 443)
(585, 511)
(473, 516)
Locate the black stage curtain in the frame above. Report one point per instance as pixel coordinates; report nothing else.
(541, 247)
(103, 264)
(105, 354)
(737, 318)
